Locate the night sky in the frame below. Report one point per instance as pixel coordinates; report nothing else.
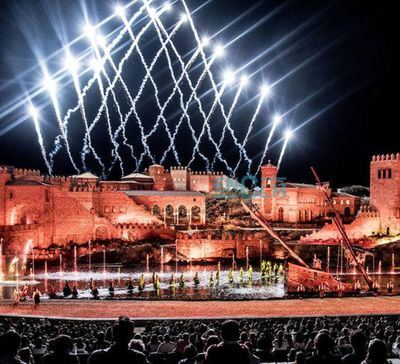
(336, 61)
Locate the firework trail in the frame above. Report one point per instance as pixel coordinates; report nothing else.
(268, 142)
(206, 119)
(250, 128)
(64, 132)
(197, 145)
(230, 113)
(91, 82)
(141, 88)
(87, 141)
(98, 69)
(183, 116)
(35, 118)
(283, 150)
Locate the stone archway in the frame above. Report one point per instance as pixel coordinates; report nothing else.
(102, 232)
(281, 213)
(196, 215)
(156, 211)
(182, 215)
(169, 214)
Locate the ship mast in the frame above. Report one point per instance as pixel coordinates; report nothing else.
(255, 214)
(339, 224)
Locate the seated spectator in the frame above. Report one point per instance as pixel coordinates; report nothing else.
(377, 353)
(212, 340)
(9, 345)
(323, 345)
(137, 345)
(80, 347)
(38, 348)
(166, 346)
(396, 347)
(25, 352)
(153, 344)
(182, 343)
(254, 359)
(229, 351)
(62, 352)
(359, 344)
(189, 355)
(119, 351)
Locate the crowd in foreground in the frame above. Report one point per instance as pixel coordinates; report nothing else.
(347, 340)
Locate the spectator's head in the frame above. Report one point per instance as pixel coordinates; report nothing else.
(138, 345)
(185, 337)
(123, 331)
(9, 343)
(63, 345)
(154, 339)
(300, 358)
(101, 336)
(212, 340)
(323, 343)
(359, 342)
(230, 331)
(190, 352)
(377, 352)
(167, 338)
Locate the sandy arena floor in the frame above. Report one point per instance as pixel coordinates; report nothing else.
(209, 309)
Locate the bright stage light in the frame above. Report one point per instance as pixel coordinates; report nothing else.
(152, 12)
(265, 90)
(288, 134)
(277, 119)
(101, 41)
(90, 31)
(218, 51)
(96, 64)
(71, 63)
(229, 77)
(34, 112)
(120, 11)
(205, 41)
(244, 80)
(184, 18)
(167, 7)
(50, 85)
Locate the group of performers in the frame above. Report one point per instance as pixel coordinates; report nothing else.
(270, 273)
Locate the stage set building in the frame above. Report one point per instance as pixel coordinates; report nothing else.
(58, 210)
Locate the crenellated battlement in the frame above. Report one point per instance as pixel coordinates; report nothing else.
(367, 211)
(26, 172)
(385, 157)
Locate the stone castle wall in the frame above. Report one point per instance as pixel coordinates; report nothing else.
(200, 246)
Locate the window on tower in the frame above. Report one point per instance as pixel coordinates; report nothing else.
(268, 182)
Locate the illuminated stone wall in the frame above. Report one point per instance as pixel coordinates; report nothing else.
(385, 191)
(200, 246)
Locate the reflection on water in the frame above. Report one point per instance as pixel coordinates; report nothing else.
(241, 288)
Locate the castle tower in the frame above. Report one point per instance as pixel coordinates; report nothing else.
(180, 178)
(385, 190)
(269, 174)
(158, 173)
